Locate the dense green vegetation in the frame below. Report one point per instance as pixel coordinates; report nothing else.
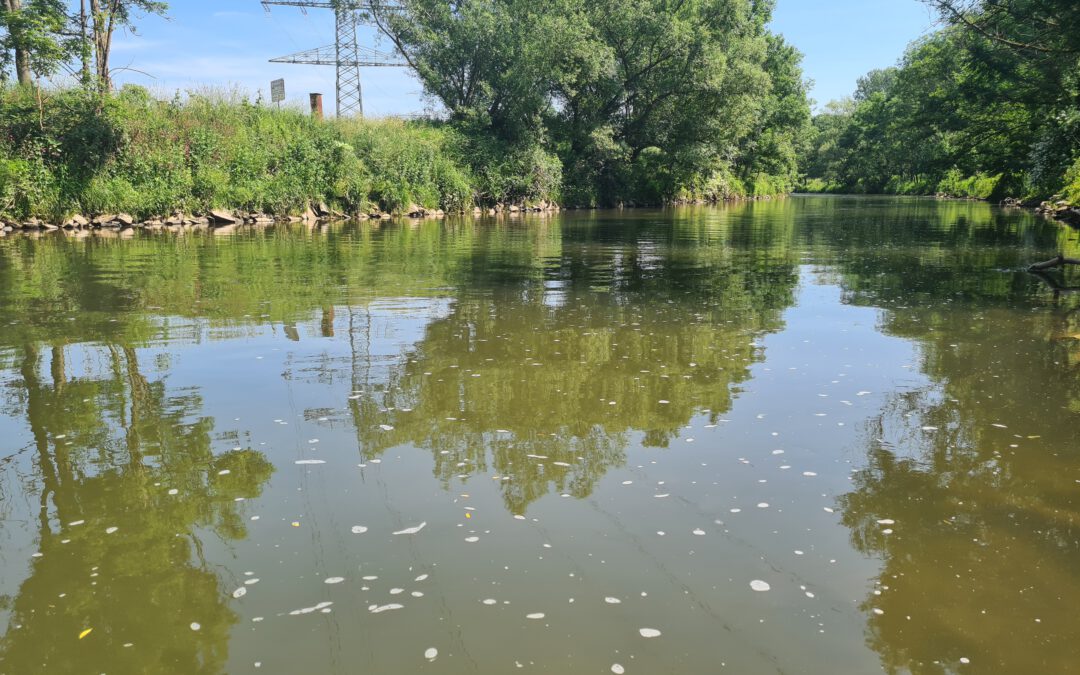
(76, 151)
(583, 103)
(635, 100)
(986, 107)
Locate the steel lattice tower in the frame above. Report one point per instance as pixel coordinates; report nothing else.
(346, 54)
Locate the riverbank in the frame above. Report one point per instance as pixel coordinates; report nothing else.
(74, 159)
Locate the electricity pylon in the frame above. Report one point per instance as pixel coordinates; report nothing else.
(346, 53)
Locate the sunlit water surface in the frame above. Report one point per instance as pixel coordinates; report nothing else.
(819, 435)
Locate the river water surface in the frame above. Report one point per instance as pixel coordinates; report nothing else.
(818, 435)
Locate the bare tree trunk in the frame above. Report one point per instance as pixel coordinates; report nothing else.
(85, 50)
(102, 20)
(22, 56)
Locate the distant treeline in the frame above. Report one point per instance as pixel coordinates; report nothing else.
(579, 102)
(986, 107)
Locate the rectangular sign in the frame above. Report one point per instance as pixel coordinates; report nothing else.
(277, 91)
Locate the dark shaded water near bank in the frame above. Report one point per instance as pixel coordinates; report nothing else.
(816, 435)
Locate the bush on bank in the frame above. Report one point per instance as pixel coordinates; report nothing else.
(73, 151)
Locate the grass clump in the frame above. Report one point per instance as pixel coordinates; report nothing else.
(73, 151)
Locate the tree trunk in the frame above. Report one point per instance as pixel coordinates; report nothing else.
(22, 56)
(102, 20)
(1059, 261)
(85, 49)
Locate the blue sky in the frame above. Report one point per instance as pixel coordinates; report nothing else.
(228, 43)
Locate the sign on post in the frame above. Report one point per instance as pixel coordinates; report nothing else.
(277, 91)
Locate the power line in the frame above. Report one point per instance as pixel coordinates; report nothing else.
(346, 54)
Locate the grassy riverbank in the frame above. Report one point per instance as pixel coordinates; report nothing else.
(75, 152)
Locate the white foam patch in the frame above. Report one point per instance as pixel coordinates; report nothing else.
(333, 580)
(649, 633)
(310, 461)
(359, 529)
(535, 615)
(412, 530)
(760, 586)
(431, 653)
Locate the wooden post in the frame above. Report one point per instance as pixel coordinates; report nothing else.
(316, 106)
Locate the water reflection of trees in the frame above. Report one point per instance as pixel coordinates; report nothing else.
(542, 376)
(109, 444)
(980, 563)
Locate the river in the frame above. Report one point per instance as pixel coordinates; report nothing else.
(813, 435)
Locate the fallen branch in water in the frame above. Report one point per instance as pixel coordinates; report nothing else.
(1059, 261)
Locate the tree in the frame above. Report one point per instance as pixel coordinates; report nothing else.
(105, 17)
(33, 33)
(642, 100)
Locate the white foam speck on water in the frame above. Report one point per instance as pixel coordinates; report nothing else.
(628, 482)
(612, 601)
(359, 529)
(965, 660)
(310, 461)
(798, 552)
(759, 585)
(929, 428)
(251, 582)
(886, 521)
(370, 578)
(110, 530)
(397, 591)
(502, 431)
(333, 580)
(879, 612)
(763, 505)
(863, 393)
(661, 533)
(224, 472)
(412, 530)
(472, 540)
(422, 577)
(699, 532)
(662, 496)
(386, 427)
(662, 401)
(617, 669)
(535, 615)
(375, 461)
(313, 440)
(736, 510)
(562, 464)
(430, 653)
(378, 609)
(174, 491)
(809, 473)
(75, 523)
(490, 601)
(809, 594)
(519, 517)
(240, 592)
(828, 510)
(195, 626)
(649, 632)
(777, 452)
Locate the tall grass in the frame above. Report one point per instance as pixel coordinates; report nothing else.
(71, 151)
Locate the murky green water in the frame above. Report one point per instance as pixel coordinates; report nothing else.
(520, 443)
